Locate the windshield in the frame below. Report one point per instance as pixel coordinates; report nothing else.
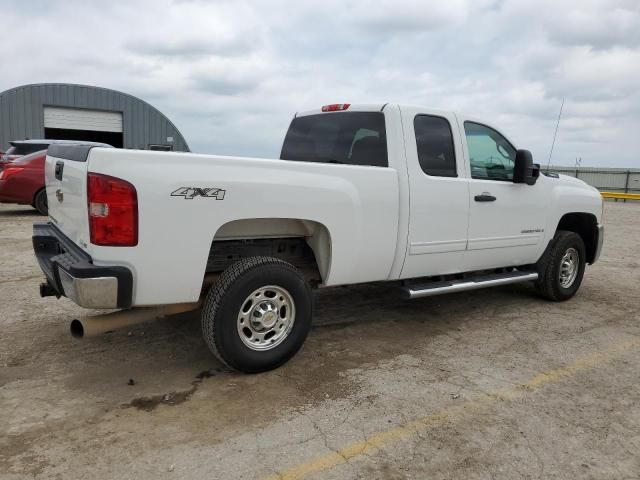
(353, 138)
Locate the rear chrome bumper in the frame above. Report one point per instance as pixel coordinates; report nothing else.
(70, 272)
(599, 243)
(98, 292)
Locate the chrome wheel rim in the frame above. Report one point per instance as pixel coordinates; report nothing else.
(266, 318)
(569, 266)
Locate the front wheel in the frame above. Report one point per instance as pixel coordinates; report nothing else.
(257, 315)
(562, 267)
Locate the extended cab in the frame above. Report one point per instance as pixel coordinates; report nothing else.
(428, 201)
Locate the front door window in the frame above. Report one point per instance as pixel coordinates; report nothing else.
(491, 155)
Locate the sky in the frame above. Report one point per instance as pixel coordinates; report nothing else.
(230, 74)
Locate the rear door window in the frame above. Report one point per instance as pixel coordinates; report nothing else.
(434, 142)
(352, 138)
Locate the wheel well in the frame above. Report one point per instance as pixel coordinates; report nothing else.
(585, 225)
(303, 243)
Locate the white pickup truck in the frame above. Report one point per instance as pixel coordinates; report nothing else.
(429, 201)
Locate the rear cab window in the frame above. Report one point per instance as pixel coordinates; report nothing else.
(351, 138)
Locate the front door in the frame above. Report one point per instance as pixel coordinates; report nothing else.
(439, 194)
(506, 219)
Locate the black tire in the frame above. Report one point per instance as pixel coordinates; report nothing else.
(549, 283)
(40, 202)
(226, 298)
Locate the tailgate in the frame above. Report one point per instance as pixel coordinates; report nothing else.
(66, 181)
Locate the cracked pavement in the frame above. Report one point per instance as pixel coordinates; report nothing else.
(372, 365)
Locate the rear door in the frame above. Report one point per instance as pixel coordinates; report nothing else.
(439, 194)
(66, 182)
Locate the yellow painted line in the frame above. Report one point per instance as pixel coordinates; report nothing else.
(455, 412)
(621, 196)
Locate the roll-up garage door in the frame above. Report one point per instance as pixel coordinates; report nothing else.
(79, 119)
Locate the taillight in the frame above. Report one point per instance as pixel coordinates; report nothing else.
(113, 211)
(336, 107)
(8, 171)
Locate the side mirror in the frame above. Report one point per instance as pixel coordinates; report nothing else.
(524, 170)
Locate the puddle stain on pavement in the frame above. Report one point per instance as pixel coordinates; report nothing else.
(151, 402)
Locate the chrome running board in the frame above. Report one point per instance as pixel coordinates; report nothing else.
(471, 283)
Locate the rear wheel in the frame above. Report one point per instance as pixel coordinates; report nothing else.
(257, 315)
(562, 267)
(40, 202)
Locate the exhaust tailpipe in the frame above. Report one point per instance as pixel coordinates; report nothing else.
(95, 325)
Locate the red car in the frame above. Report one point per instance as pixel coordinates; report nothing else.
(22, 181)
(18, 148)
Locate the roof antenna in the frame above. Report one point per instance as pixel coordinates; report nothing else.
(554, 135)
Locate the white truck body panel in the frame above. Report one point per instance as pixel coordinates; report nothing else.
(358, 206)
(510, 229)
(439, 208)
(70, 215)
(380, 223)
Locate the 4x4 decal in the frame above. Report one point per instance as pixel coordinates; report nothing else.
(189, 193)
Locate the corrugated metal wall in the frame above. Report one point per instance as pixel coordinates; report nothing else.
(22, 113)
(626, 180)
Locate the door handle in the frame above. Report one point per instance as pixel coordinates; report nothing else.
(484, 198)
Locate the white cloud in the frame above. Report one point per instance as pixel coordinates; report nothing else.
(231, 74)
(414, 15)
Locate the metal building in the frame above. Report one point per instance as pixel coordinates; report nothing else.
(81, 112)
